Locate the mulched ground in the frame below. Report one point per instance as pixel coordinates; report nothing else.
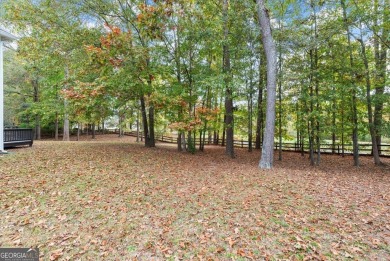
(113, 199)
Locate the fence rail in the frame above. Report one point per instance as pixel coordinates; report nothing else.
(364, 148)
(16, 137)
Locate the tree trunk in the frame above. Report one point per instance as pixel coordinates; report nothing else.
(223, 131)
(369, 108)
(204, 137)
(152, 141)
(334, 120)
(280, 96)
(78, 131)
(315, 143)
(317, 83)
(380, 66)
(310, 132)
(56, 127)
(37, 127)
(144, 120)
(228, 89)
(120, 124)
(304, 119)
(93, 131)
(179, 133)
(183, 141)
(299, 126)
(266, 161)
(250, 113)
(35, 85)
(311, 122)
(66, 134)
(216, 137)
(178, 77)
(179, 146)
(137, 140)
(353, 81)
(149, 134)
(200, 140)
(260, 122)
(190, 143)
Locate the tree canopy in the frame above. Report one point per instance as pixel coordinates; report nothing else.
(197, 70)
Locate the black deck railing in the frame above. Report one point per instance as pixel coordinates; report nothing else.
(16, 137)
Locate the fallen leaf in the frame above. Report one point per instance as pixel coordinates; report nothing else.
(54, 255)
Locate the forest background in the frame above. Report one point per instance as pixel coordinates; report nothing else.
(197, 70)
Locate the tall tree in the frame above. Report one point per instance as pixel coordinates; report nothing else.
(353, 83)
(48, 29)
(266, 161)
(381, 47)
(371, 126)
(141, 19)
(227, 79)
(260, 120)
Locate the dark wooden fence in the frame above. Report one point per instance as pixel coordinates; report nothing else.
(16, 137)
(364, 148)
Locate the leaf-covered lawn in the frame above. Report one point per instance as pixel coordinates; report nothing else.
(113, 199)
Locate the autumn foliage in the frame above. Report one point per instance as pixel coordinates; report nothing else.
(197, 120)
(114, 46)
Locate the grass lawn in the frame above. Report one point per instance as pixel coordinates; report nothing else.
(113, 199)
